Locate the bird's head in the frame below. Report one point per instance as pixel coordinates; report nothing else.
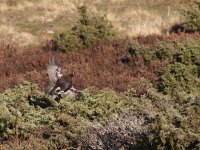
(71, 75)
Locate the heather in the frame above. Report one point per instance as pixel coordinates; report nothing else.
(137, 93)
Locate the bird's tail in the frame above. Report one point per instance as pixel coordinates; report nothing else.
(54, 61)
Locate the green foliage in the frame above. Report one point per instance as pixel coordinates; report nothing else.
(26, 108)
(171, 125)
(151, 120)
(16, 110)
(87, 31)
(173, 117)
(192, 15)
(181, 63)
(182, 72)
(139, 51)
(101, 105)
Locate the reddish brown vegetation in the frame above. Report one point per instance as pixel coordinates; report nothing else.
(100, 66)
(152, 39)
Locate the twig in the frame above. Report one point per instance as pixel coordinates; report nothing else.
(16, 133)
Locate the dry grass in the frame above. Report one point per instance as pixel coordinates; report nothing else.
(10, 33)
(6, 6)
(7, 30)
(144, 17)
(141, 22)
(42, 18)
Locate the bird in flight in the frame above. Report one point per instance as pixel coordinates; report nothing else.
(59, 83)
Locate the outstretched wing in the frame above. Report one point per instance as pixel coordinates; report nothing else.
(54, 70)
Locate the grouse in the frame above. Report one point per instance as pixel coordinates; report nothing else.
(59, 83)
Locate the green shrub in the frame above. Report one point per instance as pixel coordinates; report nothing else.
(102, 105)
(182, 72)
(26, 108)
(172, 127)
(104, 120)
(170, 122)
(192, 15)
(180, 60)
(16, 109)
(87, 31)
(138, 54)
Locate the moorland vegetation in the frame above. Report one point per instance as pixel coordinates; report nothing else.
(138, 92)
